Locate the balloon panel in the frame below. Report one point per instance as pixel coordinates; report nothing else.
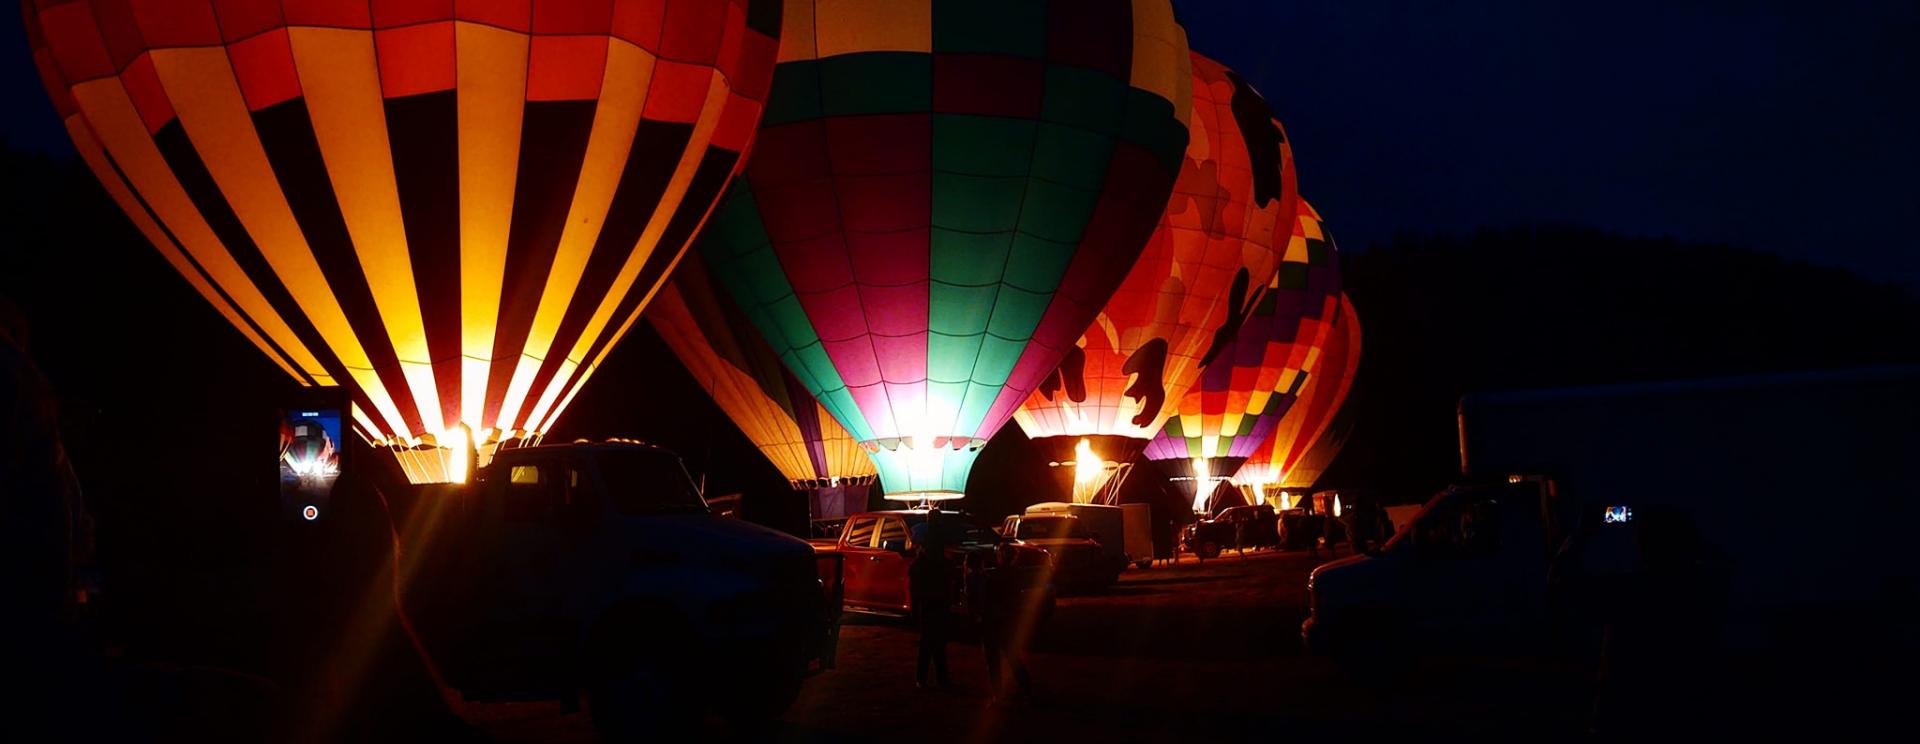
(1309, 436)
(1215, 244)
(727, 357)
(451, 212)
(1258, 375)
(942, 196)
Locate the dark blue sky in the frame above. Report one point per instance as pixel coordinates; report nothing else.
(1784, 127)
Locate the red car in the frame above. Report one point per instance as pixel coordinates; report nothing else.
(878, 547)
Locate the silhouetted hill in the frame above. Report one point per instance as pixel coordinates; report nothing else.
(1553, 306)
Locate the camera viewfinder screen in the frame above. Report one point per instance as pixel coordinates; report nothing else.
(309, 460)
(1618, 515)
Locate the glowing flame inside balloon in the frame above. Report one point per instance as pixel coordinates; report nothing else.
(1089, 472)
(461, 447)
(1200, 480)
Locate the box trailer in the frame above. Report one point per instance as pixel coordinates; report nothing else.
(1125, 530)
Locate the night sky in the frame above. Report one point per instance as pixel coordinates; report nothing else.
(1782, 127)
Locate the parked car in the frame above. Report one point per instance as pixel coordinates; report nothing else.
(1080, 562)
(878, 547)
(1237, 527)
(599, 567)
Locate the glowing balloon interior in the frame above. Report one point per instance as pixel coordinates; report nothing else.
(1214, 249)
(726, 356)
(1312, 432)
(943, 194)
(451, 210)
(1260, 374)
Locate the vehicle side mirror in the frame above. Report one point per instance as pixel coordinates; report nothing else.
(897, 546)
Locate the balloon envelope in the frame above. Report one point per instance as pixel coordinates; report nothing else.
(1259, 376)
(942, 196)
(453, 212)
(1314, 429)
(726, 356)
(1214, 247)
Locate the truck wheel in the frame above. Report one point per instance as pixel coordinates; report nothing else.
(1209, 550)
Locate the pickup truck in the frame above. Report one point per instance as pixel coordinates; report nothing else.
(599, 567)
(877, 548)
(1567, 479)
(1236, 527)
(1079, 561)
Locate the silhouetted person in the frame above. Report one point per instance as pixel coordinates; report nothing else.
(41, 496)
(57, 676)
(1008, 621)
(1366, 526)
(1659, 631)
(929, 582)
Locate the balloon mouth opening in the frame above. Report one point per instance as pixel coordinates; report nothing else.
(923, 500)
(452, 456)
(924, 444)
(836, 481)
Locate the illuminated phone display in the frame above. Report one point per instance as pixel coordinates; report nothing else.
(311, 445)
(1618, 515)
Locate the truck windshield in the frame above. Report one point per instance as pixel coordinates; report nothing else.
(955, 530)
(648, 482)
(1052, 529)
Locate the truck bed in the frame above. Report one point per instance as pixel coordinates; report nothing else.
(1805, 481)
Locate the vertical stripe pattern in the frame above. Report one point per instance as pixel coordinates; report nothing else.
(725, 354)
(453, 209)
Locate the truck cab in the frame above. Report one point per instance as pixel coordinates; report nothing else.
(1080, 562)
(1699, 484)
(1469, 571)
(598, 566)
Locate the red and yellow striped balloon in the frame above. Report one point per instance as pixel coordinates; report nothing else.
(452, 209)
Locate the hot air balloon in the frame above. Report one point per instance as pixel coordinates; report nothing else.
(1258, 375)
(452, 212)
(1314, 429)
(726, 356)
(311, 451)
(942, 196)
(1215, 245)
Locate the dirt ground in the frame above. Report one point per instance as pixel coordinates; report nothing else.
(1188, 652)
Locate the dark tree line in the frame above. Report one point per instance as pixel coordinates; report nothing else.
(1554, 306)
